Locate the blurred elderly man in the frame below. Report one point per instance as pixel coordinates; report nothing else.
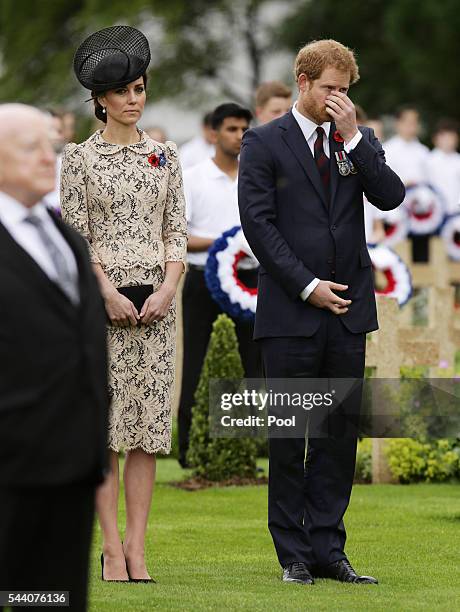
(53, 391)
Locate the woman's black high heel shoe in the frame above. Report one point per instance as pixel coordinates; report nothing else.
(146, 580)
(102, 572)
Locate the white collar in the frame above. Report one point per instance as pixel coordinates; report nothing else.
(213, 170)
(308, 126)
(13, 212)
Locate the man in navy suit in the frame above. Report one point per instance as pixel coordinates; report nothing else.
(301, 184)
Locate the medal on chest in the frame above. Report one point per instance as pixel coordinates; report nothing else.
(344, 164)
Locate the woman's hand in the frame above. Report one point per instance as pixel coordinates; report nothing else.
(156, 306)
(120, 310)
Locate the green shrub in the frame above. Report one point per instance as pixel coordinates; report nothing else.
(219, 458)
(416, 460)
(363, 469)
(174, 454)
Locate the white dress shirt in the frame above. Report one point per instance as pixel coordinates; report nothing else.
(195, 151)
(408, 158)
(308, 128)
(444, 174)
(13, 215)
(211, 202)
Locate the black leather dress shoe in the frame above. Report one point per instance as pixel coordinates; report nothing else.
(343, 572)
(297, 572)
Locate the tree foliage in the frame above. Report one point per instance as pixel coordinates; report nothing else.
(193, 45)
(219, 458)
(407, 49)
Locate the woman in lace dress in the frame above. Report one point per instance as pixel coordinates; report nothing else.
(123, 192)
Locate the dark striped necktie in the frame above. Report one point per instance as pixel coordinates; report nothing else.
(322, 162)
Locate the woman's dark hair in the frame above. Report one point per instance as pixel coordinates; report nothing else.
(98, 106)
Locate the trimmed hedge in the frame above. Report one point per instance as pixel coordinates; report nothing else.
(219, 458)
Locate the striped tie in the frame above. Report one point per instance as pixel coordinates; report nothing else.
(322, 162)
(65, 279)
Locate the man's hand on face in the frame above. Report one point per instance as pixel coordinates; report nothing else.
(323, 297)
(342, 111)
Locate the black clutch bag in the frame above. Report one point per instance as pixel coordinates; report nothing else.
(137, 294)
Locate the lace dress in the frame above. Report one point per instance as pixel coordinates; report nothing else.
(127, 201)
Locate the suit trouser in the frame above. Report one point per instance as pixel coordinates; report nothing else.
(199, 311)
(45, 536)
(307, 497)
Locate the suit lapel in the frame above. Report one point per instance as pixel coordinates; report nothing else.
(26, 267)
(295, 140)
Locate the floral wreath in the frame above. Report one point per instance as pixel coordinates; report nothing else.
(426, 208)
(221, 275)
(450, 233)
(240, 301)
(396, 226)
(396, 273)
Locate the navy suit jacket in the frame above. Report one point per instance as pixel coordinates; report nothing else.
(297, 236)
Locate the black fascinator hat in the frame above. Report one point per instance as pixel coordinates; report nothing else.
(111, 58)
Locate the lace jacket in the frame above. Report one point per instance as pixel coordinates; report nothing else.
(126, 201)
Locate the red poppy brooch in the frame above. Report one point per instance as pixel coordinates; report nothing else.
(157, 160)
(336, 136)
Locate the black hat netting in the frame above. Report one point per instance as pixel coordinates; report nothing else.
(104, 44)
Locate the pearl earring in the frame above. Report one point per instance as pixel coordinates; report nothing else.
(103, 110)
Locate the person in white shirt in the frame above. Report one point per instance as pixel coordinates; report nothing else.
(408, 157)
(404, 152)
(444, 164)
(211, 198)
(272, 99)
(199, 148)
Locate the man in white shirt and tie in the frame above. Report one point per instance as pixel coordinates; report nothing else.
(53, 383)
(300, 192)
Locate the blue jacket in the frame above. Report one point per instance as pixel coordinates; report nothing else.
(297, 236)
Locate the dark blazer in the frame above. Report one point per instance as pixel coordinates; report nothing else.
(297, 236)
(53, 372)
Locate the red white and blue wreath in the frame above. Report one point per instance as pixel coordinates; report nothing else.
(221, 275)
(450, 233)
(240, 301)
(426, 208)
(398, 281)
(396, 226)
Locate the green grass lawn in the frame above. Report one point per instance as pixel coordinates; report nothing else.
(211, 550)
